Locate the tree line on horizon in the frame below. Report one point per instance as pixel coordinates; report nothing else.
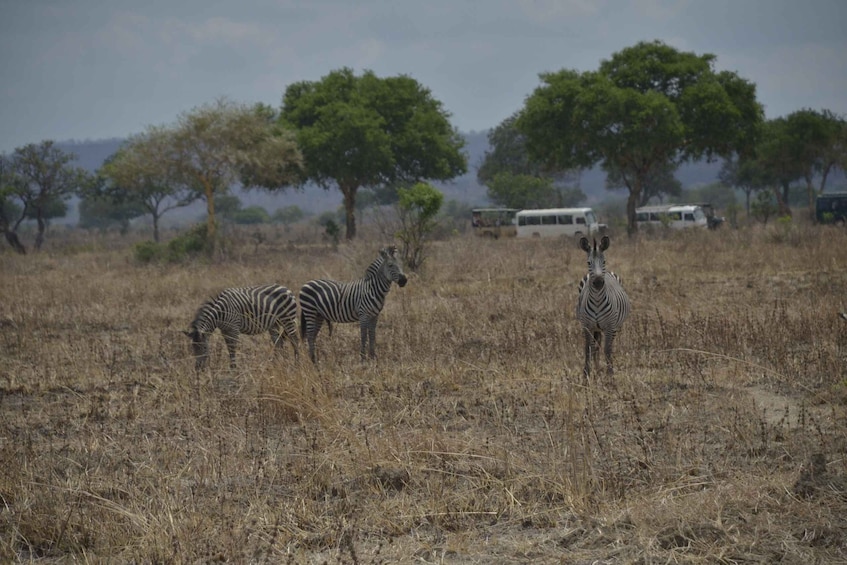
(644, 112)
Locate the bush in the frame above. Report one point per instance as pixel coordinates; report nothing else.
(148, 252)
(189, 245)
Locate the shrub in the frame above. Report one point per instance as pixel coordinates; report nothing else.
(148, 252)
(188, 245)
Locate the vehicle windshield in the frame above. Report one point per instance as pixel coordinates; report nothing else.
(699, 214)
(590, 218)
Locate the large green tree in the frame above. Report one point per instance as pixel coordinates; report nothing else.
(144, 173)
(220, 144)
(45, 179)
(648, 106)
(366, 132)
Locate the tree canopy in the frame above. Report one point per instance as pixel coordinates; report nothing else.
(367, 131)
(219, 144)
(648, 106)
(143, 174)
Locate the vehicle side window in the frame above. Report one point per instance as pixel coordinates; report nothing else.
(565, 220)
(689, 217)
(580, 220)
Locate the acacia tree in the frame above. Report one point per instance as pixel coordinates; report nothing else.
(216, 145)
(744, 174)
(367, 132)
(143, 174)
(45, 178)
(648, 107)
(812, 142)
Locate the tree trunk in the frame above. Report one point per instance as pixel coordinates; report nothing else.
(155, 227)
(210, 212)
(42, 226)
(350, 210)
(13, 240)
(781, 201)
(9, 234)
(631, 205)
(811, 192)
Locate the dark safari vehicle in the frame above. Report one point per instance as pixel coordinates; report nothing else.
(494, 222)
(831, 208)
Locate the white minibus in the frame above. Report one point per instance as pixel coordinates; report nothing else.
(552, 222)
(674, 216)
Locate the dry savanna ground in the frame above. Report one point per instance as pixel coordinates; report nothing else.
(721, 438)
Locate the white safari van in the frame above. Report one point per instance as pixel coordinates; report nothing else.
(558, 221)
(674, 216)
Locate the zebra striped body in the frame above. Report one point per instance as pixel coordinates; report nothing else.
(346, 302)
(246, 310)
(602, 306)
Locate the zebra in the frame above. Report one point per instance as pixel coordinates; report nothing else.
(602, 306)
(345, 302)
(244, 310)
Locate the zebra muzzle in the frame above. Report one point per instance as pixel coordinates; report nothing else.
(597, 283)
(401, 281)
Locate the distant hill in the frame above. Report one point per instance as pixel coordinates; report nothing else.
(92, 154)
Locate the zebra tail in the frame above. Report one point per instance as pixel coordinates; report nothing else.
(329, 326)
(302, 324)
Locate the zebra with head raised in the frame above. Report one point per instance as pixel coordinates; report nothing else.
(602, 306)
(346, 302)
(247, 310)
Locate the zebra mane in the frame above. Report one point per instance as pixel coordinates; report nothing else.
(204, 309)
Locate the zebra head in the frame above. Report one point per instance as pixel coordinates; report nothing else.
(199, 346)
(391, 268)
(596, 261)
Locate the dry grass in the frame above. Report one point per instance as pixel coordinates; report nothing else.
(721, 439)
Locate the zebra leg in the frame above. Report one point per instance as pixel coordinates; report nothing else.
(277, 339)
(607, 348)
(372, 338)
(313, 326)
(231, 345)
(291, 332)
(589, 339)
(364, 330)
(595, 345)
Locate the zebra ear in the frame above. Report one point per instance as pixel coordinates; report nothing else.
(604, 242)
(390, 251)
(583, 244)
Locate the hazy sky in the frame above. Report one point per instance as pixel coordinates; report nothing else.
(92, 69)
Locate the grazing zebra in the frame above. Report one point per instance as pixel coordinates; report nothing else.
(344, 302)
(247, 310)
(602, 306)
